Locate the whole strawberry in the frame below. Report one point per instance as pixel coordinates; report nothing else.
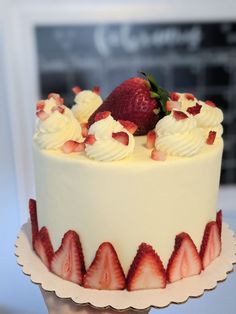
(137, 100)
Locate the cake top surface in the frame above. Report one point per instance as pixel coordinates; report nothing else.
(174, 125)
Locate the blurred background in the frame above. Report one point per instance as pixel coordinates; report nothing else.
(54, 45)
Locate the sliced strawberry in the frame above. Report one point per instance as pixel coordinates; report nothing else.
(146, 270)
(76, 90)
(211, 137)
(174, 96)
(151, 138)
(158, 155)
(59, 108)
(105, 272)
(59, 100)
(68, 260)
(90, 139)
(179, 115)
(210, 103)
(40, 105)
(121, 137)
(219, 220)
(194, 109)
(211, 244)
(43, 246)
(170, 105)
(102, 115)
(84, 129)
(34, 220)
(189, 96)
(96, 90)
(129, 126)
(42, 115)
(185, 260)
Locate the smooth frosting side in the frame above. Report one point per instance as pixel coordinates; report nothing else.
(127, 202)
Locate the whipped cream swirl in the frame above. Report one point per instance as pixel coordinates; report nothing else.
(178, 137)
(106, 148)
(58, 128)
(86, 102)
(209, 119)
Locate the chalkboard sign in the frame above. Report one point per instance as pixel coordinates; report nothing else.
(197, 57)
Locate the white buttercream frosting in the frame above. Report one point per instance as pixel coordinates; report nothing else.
(210, 119)
(58, 128)
(86, 102)
(179, 137)
(106, 148)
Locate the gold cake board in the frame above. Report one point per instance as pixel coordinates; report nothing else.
(64, 297)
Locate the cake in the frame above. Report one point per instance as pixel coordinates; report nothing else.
(126, 188)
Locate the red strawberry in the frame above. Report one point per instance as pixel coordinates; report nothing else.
(43, 246)
(76, 90)
(59, 100)
(68, 260)
(90, 139)
(72, 146)
(132, 100)
(179, 115)
(158, 155)
(194, 109)
(102, 115)
(210, 103)
(189, 96)
(170, 105)
(42, 115)
(33, 219)
(211, 137)
(84, 129)
(121, 137)
(185, 260)
(174, 96)
(40, 105)
(96, 90)
(151, 138)
(211, 244)
(146, 271)
(219, 220)
(105, 272)
(129, 126)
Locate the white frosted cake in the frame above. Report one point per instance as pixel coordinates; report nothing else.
(116, 210)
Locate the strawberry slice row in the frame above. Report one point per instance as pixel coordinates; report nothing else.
(146, 270)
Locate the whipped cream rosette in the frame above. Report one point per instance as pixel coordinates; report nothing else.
(111, 140)
(178, 135)
(210, 118)
(56, 125)
(86, 102)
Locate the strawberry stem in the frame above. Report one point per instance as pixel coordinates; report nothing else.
(157, 92)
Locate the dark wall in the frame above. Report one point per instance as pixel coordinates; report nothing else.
(198, 58)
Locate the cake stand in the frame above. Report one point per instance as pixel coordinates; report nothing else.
(64, 297)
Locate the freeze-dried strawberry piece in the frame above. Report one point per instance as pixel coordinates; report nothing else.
(102, 115)
(185, 260)
(158, 155)
(129, 126)
(211, 137)
(151, 138)
(189, 96)
(68, 260)
(90, 139)
(59, 108)
(42, 115)
(72, 146)
(210, 103)
(179, 115)
(76, 90)
(146, 270)
(59, 100)
(105, 272)
(40, 105)
(121, 137)
(194, 109)
(97, 90)
(174, 96)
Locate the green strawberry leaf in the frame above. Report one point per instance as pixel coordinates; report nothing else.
(157, 92)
